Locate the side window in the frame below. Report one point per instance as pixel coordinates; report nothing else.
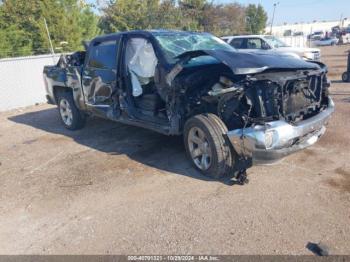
(237, 43)
(254, 43)
(103, 55)
(265, 45)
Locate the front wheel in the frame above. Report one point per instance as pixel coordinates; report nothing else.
(345, 77)
(70, 115)
(207, 146)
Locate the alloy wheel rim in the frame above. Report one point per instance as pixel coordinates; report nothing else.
(199, 148)
(66, 112)
(345, 77)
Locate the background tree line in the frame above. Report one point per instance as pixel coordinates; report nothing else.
(23, 32)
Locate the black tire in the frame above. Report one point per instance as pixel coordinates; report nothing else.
(345, 77)
(78, 119)
(222, 157)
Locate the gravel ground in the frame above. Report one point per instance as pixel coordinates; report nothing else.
(116, 189)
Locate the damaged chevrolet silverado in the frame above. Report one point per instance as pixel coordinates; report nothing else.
(233, 109)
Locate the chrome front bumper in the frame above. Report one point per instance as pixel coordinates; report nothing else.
(270, 142)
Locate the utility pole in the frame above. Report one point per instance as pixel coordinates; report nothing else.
(48, 35)
(273, 15)
(341, 21)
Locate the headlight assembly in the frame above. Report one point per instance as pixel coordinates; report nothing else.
(308, 55)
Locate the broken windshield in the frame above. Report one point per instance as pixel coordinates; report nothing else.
(175, 44)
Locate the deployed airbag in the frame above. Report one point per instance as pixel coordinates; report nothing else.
(141, 61)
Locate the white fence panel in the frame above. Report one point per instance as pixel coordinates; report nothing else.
(295, 41)
(21, 80)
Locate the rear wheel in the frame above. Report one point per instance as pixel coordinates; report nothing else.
(345, 77)
(70, 115)
(207, 146)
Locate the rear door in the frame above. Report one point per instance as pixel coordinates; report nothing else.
(99, 77)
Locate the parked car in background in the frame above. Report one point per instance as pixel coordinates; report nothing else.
(298, 33)
(336, 29)
(232, 108)
(326, 41)
(287, 32)
(344, 38)
(317, 35)
(271, 44)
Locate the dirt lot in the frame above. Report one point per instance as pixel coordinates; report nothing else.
(115, 189)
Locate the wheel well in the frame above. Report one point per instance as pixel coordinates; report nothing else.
(59, 89)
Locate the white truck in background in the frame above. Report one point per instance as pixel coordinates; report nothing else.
(269, 43)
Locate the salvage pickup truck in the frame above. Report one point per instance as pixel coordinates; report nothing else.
(230, 107)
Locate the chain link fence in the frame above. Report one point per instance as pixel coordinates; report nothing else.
(295, 41)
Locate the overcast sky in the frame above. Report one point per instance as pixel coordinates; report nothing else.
(292, 11)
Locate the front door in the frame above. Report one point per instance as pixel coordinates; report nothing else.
(99, 77)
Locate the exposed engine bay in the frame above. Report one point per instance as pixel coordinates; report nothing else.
(244, 100)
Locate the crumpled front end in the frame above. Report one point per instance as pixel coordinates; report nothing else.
(289, 112)
(274, 140)
(272, 105)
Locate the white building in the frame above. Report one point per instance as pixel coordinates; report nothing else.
(307, 28)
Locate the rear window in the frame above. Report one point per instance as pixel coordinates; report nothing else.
(103, 55)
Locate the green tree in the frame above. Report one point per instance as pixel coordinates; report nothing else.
(73, 23)
(192, 12)
(123, 15)
(256, 18)
(23, 32)
(225, 19)
(168, 15)
(24, 16)
(89, 24)
(192, 15)
(14, 42)
(69, 21)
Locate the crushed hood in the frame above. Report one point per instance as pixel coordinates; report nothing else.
(251, 63)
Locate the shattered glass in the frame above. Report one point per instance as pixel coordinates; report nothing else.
(175, 44)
